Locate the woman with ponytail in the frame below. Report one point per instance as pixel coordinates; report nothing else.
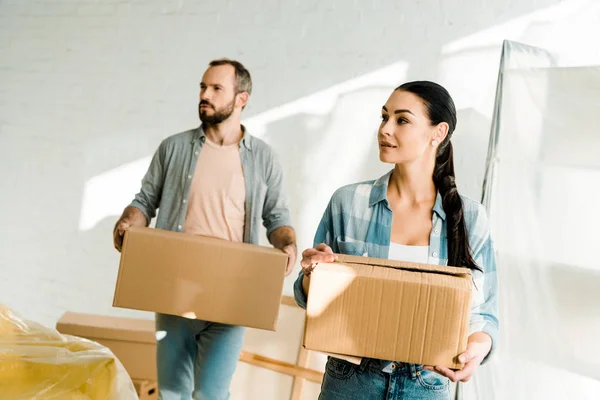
(412, 213)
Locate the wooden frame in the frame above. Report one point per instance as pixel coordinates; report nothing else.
(299, 370)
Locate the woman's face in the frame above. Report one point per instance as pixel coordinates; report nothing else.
(406, 134)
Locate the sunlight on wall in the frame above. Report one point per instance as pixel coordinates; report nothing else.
(323, 102)
(562, 26)
(107, 194)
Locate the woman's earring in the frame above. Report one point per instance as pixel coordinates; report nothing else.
(434, 143)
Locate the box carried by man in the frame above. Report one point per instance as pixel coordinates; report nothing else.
(200, 278)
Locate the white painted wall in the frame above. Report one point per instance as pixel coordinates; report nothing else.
(89, 88)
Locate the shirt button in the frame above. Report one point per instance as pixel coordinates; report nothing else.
(436, 231)
(179, 227)
(184, 201)
(189, 177)
(393, 366)
(434, 254)
(196, 153)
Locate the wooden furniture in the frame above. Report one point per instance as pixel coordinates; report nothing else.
(299, 370)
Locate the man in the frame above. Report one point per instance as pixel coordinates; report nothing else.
(215, 180)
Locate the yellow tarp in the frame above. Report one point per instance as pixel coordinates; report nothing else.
(37, 362)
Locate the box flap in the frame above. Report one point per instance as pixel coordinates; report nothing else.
(97, 327)
(223, 244)
(439, 269)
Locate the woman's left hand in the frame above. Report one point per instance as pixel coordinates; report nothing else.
(478, 347)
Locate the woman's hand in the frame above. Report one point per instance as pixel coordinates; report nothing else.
(478, 347)
(312, 257)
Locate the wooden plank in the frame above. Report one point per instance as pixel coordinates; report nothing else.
(289, 301)
(299, 382)
(302, 359)
(281, 367)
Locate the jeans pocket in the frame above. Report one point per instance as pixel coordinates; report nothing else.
(339, 369)
(432, 380)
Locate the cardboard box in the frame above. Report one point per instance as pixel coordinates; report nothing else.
(146, 390)
(200, 277)
(132, 341)
(389, 310)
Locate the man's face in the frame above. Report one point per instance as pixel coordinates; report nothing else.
(217, 94)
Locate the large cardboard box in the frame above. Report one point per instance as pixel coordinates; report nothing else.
(132, 341)
(201, 278)
(389, 310)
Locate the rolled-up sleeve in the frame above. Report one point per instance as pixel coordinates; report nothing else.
(276, 212)
(299, 294)
(323, 235)
(484, 306)
(148, 198)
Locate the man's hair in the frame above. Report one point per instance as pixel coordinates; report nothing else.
(243, 81)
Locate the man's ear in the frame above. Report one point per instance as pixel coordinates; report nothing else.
(242, 99)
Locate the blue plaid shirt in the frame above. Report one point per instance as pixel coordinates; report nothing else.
(358, 221)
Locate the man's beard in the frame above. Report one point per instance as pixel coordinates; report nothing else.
(218, 116)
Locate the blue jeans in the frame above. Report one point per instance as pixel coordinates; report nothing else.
(367, 381)
(196, 358)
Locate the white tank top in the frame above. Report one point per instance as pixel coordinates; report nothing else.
(402, 252)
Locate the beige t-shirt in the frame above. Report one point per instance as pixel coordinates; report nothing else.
(216, 203)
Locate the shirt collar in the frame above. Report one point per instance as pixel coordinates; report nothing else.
(246, 142)
(379, 194)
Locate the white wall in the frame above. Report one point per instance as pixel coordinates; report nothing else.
(88, 89)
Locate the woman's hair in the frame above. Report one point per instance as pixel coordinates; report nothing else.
(440, 108)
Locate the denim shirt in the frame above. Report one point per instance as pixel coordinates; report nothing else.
(358, 221)
(166, 185)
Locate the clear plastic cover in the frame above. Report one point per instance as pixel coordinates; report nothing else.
(541, 190)
(37, 362)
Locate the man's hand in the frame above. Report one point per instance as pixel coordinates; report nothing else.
(131, 217)
(284, 238)
(292, 252)
(478, 348)
(120, 227)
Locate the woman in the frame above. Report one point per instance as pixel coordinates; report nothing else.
(413, 213)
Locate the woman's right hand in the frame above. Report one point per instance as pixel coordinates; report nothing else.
(312, 257)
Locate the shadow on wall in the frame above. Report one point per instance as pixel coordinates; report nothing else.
(470, 142)
(322, 153)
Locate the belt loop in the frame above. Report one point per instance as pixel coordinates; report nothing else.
(413, 371)
(363, 364)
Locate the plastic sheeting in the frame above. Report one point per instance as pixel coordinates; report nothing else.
(542, 191)
(39, 363)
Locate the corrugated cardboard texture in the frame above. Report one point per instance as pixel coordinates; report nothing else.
(200, 277)
(389, 310)
(132, 341)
